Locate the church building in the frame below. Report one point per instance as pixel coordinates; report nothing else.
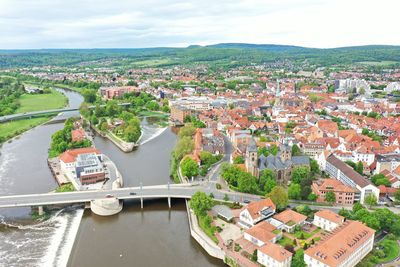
(282, 164)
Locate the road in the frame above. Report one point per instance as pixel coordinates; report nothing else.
(159, 191)
(213, 175)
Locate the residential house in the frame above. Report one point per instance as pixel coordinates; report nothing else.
(290, 219)
(273, 255)
(328, 220)
(256, 212)
(262, 233)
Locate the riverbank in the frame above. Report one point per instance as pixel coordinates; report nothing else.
(13, 129)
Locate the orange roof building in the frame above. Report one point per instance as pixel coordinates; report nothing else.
(345, 246)
(274, 255)
(290, 219)
(328, 220)
(256, 212)
(262, 233)
(69, 156)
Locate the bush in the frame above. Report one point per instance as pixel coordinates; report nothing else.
(218, 186)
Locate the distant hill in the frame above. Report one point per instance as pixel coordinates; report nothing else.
(224, 54)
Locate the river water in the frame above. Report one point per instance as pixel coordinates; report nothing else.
(155, 236)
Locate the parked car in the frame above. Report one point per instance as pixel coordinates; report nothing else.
(132, 193)
(109, 196)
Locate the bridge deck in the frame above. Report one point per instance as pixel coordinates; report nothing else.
(160, 191)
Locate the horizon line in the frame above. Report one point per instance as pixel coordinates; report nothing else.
(194, 45)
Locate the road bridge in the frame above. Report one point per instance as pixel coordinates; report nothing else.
(104, 197)
(28, 115)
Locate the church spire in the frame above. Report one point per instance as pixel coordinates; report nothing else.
(278, 92)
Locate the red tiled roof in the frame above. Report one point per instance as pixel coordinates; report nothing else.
(70, 155)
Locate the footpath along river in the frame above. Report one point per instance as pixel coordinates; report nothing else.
(155, 236)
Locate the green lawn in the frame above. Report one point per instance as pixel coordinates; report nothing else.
(37, 102)
(11, 129)
(208, 229)
(388, 251)
(306, 235)
(146, 113)
(285, 241)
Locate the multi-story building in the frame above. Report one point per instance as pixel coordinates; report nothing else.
(312, 149)
(116, 92)
(344, 194)
(83, 164)
(341, 171)
(274, 255)
(193, 103)
(346, 246)
(328, 220)
(387, 162)
(179, 113)
(89, 169)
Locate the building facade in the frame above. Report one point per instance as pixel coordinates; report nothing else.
(344, 173)
(345, 247)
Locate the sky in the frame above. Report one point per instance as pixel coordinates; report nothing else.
(34, 24)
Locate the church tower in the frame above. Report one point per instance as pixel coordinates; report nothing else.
(285, 152)
(251, 160)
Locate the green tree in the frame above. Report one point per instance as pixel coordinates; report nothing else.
(187, 130)
(189, 167)
(371, 200)
(279, 196)
(298, 259)
(314, 167)
(184, 146)
(294, 191)
(296, 151)
(300, 173)
(112, 108)
(254, 255)
(380, 179)
(359, 168)
(89, 95)
(201, 203)
(357, 206)
(267, 180)
(330, 197)
(247, 183)
(238, 160)
(312, 197)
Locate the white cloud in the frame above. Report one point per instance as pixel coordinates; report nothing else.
(150, 23)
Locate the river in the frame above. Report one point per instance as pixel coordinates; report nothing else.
(155, 236)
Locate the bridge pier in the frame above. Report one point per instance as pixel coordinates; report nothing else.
(169, 202)
(40, 211)
(141, 203)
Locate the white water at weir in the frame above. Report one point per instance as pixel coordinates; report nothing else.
(47, 243)
(149, 133)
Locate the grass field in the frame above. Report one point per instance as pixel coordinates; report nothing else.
(11, 129)
(37, 102)
(388, 251)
